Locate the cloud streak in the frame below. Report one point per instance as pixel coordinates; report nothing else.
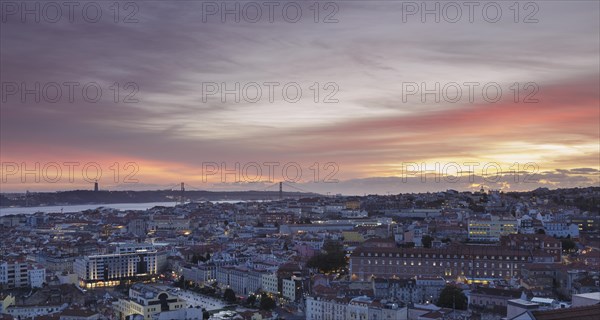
(369, 53)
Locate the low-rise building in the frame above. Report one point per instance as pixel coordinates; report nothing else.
(33, 311)
(493, 299)
(359, 308)
(6, 300)
(586, 299)
(147, 301)
(561, 229)
(79, 314)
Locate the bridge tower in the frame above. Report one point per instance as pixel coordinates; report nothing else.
(280, 190)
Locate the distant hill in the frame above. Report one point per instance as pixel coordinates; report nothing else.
(105, 197)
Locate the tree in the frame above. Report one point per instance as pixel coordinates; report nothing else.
(229, 295)
(304, 221)
(251, 300)
(452, 297)
(568, 245)
(180, 283)
(426, 240)
(332, 258)
(408, 245)
(266, 302)
(205, 314)
(198, 257)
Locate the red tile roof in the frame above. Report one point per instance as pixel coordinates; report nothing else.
(578, 313)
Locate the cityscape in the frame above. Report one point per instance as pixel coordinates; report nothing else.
(444, 255)
(299, 159)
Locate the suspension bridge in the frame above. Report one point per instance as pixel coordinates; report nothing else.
(185, 189)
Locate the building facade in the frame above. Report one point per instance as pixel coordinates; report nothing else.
(542, 242)
(359, 308)
(108, 270)
(147, 301)
(419, 289)
(18, 274)
(490, 230)
(473, 263)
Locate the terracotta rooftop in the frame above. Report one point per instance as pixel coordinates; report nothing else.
(578, 313)
(512, 294)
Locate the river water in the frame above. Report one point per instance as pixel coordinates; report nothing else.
(82, 207)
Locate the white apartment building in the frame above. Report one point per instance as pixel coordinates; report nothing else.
(289, 289)
(107, 270)
(200, 274)
(242, 280)
(561, 229)
(359, 308)
(37, 276)
(26, 312)
(269, 283)
(17, 274)
(318, 308)
(147, 301)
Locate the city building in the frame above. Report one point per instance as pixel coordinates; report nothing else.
(127, 263)
(200, 274)
(587, 223)
(79, 314)
(490, 230)
(586, 299)
(420, 289)
(269, 283)
(561, 229)
(6, 300)
(358, 308)
(494, 299)
(34, 311)
(543, 242)
(472, 263)
(147, 301)
(36, 275)
(576, 313)
(18, 273)
(292, 288)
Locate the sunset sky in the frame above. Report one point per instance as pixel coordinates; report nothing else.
(371, 133)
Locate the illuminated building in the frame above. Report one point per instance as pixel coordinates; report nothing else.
(491, 230)
(129, 262)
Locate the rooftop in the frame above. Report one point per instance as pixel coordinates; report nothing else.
(578, 313)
